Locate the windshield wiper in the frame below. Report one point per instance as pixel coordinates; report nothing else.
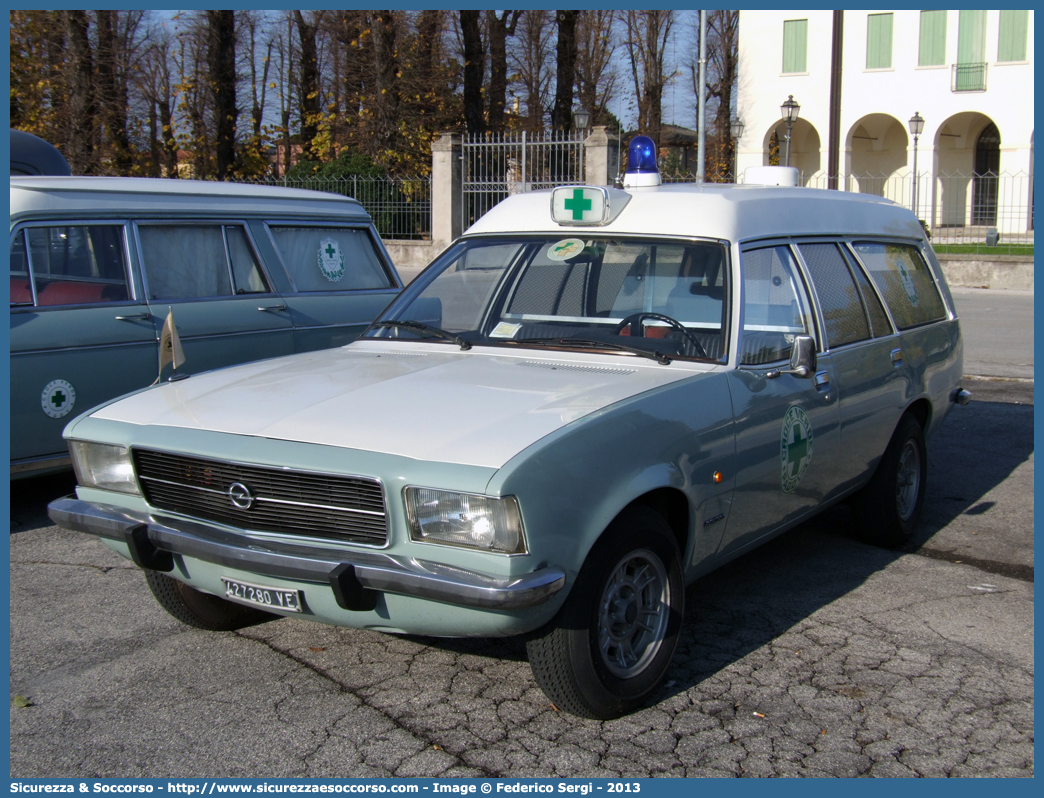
(586, 343)
(425, 328)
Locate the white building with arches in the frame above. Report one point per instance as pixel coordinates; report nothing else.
(968, 74)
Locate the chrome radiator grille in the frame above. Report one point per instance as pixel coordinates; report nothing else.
(264, 498)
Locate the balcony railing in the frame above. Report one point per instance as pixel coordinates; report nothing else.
(968, 77)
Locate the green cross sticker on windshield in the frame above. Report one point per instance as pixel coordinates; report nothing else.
(577, 204)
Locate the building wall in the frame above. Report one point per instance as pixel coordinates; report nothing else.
(876, 104)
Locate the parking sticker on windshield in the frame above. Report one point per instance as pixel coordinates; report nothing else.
(795, 447)
(565, 249)
(58, 398)
(331, 260)
(505, 330)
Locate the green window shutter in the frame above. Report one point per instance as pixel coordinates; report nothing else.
(795, 45)
(932, 51)
(971, 37)
(879, 41)
(1012, 43)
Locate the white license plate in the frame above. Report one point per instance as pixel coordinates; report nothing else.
(273, 598)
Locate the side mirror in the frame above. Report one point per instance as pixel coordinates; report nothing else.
(803, 356)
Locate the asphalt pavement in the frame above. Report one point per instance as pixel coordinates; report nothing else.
(816, 655)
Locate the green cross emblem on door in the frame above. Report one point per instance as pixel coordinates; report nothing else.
(795, 448)
(58, 399)
(578, 204)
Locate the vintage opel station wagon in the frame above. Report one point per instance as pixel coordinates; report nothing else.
(98, 263)
(592, 398)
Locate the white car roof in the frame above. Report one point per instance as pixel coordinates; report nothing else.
(729, 212)
(121, 196)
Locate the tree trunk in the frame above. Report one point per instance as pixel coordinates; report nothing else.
(308, 94)
(112, 102)
(386, 84)
(79, 149)
(562, 113)
(474, 68)
(221, 62)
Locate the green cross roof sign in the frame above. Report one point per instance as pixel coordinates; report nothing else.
(579, 205)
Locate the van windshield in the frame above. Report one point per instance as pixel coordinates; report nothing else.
(658, 296)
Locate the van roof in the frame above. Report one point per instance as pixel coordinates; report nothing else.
(148, 196)
(718, 211)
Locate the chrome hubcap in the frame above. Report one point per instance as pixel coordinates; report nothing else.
(908, 481)
(633, 613)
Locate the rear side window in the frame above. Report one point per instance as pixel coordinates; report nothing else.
(330, 258)
(905, 282)
(198, 261)
(879, 324)
(76, 265)
(773, 307)
(839, 300)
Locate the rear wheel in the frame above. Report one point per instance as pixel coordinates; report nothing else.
(199, 609)
(888, 508)
(612, 642)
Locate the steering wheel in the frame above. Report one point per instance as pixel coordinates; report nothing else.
(635, 319)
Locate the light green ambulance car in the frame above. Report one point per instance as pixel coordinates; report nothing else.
(591, 399)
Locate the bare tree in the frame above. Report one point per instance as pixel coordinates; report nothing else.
(596, 75)
(498, 29)
(531, 61)
(155, 85)
(647, 34)
(722, 65)
(79, 71)
(221, 68)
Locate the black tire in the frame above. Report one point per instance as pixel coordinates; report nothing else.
(202, 610)
(593, 659)
(888, 508)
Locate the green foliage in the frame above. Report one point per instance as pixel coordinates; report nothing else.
(349, 163)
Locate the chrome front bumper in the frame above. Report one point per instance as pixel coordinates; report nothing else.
(354, 577)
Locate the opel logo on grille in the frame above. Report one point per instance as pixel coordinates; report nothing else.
(240, 495)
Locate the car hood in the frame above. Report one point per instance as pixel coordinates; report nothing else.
(424, 401)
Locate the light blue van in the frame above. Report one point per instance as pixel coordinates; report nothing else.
(97, 264)
(591, 399)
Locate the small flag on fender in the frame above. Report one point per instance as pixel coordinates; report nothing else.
(170, 345)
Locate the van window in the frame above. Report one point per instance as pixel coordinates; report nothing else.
(905, 282)
(843, 313)
(76, 265)
(330, 258)
(879, 324)
(193, 262)
(774, 310)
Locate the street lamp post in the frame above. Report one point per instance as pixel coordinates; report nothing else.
(790, 110)
(916, 127)
(737, 134)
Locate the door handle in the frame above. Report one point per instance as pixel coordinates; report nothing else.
(822, 379)
(135, 317)
(897, 357)
(272, 308)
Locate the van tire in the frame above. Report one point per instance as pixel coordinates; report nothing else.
(593, 659)
(888, 508)
(202, 610)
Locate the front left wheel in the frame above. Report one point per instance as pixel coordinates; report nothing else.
(612, 642)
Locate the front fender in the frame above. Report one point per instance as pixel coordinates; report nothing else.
(573, 483)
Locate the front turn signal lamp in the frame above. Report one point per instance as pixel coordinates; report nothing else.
(99, 465)
(467, 520)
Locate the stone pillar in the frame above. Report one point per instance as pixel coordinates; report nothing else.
(601, 157)
(447, 176)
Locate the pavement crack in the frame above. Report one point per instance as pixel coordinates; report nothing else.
(102, 568)
(458, 760)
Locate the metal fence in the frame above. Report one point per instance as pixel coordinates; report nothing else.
(400, 206)
(499, 165)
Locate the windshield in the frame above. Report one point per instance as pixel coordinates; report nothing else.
(620, 294)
